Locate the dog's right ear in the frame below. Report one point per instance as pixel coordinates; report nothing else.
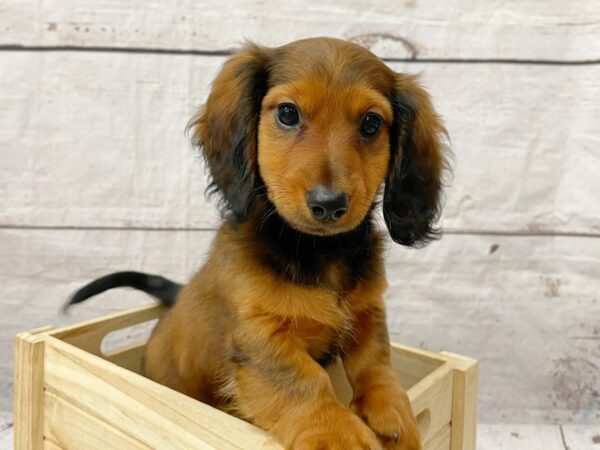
(226, 127)
(413, 187)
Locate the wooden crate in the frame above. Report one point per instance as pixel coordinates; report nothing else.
(70, 395)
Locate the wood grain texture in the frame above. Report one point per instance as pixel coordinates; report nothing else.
(91, 403)
(432, 395)
(151, 413)
(49, 445)
(71, 427)
(464, 403)
(527, 310)
(89, 335)
(29, 394)
(431, 29)
(431, 399)
(524, 138)
(490, 437)
(441, 441)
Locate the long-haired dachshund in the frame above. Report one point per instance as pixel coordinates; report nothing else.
(300, 140)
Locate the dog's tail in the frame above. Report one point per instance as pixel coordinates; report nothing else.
(163, 289)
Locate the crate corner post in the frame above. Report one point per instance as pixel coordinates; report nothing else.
(29, 390)
(464, 402)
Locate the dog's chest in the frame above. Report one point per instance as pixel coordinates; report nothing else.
(323, 343)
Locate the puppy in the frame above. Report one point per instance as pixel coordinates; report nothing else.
(299, 141)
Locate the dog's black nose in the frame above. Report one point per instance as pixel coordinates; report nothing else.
(325, 204)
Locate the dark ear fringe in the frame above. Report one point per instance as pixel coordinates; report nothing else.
(408, 216)
(225, 131)
(413, 192)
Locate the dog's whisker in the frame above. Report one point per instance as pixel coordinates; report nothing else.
(269, 214)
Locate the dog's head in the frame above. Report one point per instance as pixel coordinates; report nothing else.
(318, 126)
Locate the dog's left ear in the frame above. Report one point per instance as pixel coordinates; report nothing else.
(413, 187)
(226, 128)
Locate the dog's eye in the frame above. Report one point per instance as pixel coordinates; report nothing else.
(287, 115)
(370, 124)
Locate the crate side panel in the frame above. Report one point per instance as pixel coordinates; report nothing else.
(70, 427)
(88, 335)
(149, 412)
(412, 365)
(430, 359)
(130, 358)
(441, 441)
(431, 399)
(49, 445)
(343, 389)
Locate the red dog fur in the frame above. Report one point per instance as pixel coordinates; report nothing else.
(293, 282)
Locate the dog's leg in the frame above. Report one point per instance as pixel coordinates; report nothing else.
(379, 398)
(279, 387)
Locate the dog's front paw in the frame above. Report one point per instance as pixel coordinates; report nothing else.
(339, 431)
(387, 410)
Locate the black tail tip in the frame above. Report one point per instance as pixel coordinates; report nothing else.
(161, 288)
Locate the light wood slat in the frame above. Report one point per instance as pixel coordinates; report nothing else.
(464, 402)
(488, 437)
(29, 393)
(441, 441)
(582, 436)
(433, 406)
(73, 428)
(89, 335)
(421, 363)
(49, 445)
(422, 29)
(410, 370)
(140, 407)
(431, 400)
(532, 302)
(129, 358)
(97, 140)
(519, 437)
(412, 365)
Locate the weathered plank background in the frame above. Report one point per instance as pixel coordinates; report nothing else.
(96, 173)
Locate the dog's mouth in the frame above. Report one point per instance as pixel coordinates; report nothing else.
(320, 230)
(327, 228)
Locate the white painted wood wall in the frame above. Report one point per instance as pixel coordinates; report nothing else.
(96, 174)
